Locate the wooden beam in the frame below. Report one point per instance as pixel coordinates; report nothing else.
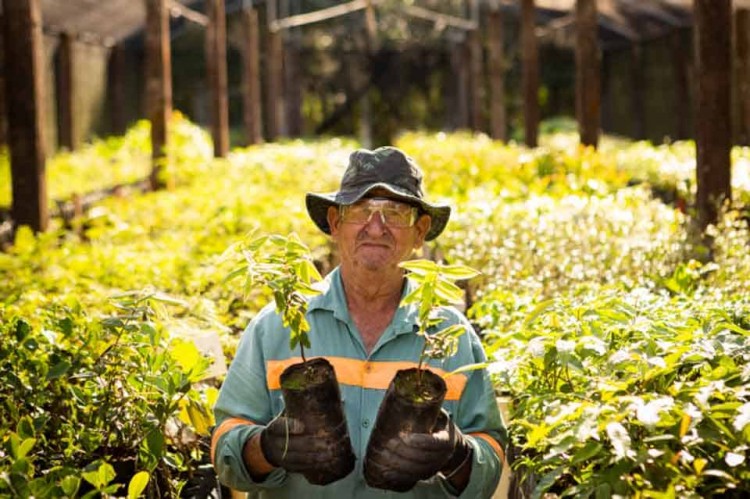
(24, 82)
(177, 9)
(216, 65)
(498, 119)
(529, 73)
(439, 18)
(251, 96)
(742, 59)
(588, 73)
(158, 86)
(318, 15)
(713, 118)
(66, 93)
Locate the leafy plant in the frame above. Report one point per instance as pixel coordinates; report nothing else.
(435, 289)
(630, 393)
(284, 266)
(90, 405)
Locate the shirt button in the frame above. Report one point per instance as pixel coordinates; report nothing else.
(365, 423)
(368, 367)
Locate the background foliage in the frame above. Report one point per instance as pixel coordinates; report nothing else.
(622, 348)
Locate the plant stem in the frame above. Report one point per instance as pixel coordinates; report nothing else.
(302, 352)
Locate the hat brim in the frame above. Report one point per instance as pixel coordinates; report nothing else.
(318, 204)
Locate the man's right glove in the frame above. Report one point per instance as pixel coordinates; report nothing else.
(323, 455)
(403, 460)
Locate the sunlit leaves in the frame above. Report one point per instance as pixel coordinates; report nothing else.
(435, 289)
(283, 266)
(653, 381)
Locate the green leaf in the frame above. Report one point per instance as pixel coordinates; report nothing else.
(591, 449)
(449, 292)
(25, 428)
(101, 476)
(458, 272)
(138, 484)
(538, 310)
(468, 367)
(58, 369)
(420, 266)
(70, 485)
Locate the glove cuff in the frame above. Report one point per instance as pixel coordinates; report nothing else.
(264, 449)
(461, 455)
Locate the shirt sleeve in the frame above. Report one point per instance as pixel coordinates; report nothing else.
(242, 410)
(479, 418)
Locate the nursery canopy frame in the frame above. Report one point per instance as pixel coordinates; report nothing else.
(615, 24)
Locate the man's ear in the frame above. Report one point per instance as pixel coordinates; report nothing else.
(423, 224)
(333, 217)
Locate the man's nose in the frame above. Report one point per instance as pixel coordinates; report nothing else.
(376, 223)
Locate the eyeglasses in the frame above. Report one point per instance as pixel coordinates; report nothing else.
(392, 213)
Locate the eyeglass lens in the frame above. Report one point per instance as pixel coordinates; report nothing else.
(392, 213)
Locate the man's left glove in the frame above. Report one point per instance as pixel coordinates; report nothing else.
(400, 462)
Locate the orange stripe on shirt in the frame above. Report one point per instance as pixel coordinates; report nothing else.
(367, 374)
(493, 443)
(224, 427)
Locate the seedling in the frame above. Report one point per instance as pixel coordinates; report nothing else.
(435, 289)
(284, 266)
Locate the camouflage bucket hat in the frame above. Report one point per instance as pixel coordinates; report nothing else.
(388, 168)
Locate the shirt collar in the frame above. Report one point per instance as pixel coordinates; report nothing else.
(333, 299)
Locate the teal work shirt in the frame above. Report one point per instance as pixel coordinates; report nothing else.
(250, 396)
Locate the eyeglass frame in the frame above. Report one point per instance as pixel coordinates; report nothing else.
(413, 217)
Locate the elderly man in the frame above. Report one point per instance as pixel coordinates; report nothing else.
(376, 219)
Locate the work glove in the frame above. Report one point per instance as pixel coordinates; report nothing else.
(323, 455)
(400, 462)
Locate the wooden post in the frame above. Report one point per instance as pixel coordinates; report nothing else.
(116, 82)
(713, 118)
(682, 111)
(458, 112)
(66, 93)
(476, 83)
(742, 58)
(274, 72)
(25, 99)
(588, 84)
(293, 86)
(3, 107)
(529, 73)
(251, 100)
(637, 91)
(273, 85)
(216, 65)
(496, 51)
(158, 85)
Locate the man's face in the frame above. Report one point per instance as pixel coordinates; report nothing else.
(377, 233)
